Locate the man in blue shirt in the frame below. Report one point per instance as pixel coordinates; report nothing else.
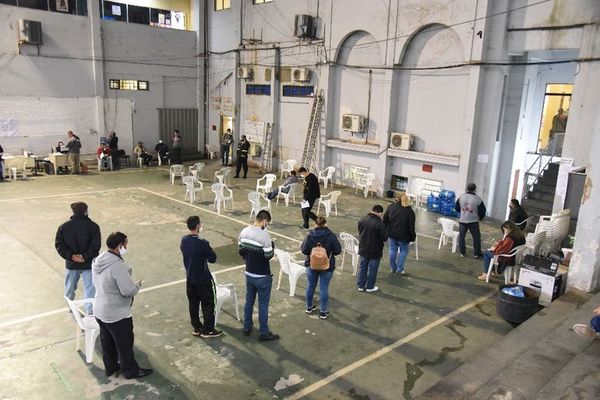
(200, 286)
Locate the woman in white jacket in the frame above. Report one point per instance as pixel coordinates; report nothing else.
(115, 289)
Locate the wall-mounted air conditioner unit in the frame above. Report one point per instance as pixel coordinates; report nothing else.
(304, 27)
(301, 74)
(353, 123)
(30, 32)
(401, 141)
(245, 72)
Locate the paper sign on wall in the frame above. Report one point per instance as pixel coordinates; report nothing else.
(8, 127)
(483, 158)
(116, 10)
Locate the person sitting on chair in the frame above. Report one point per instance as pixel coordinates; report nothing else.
(162, 151)
(293, 178)
(102, 153)
(517, 214)
(513, 237)
(140, 151)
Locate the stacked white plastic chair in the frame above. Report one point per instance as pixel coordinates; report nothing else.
(556, 227)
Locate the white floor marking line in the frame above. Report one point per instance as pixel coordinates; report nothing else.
(34, 317)
(381, 352)
(160, 286)
(428, 237)
(68, 194)
(215, 213)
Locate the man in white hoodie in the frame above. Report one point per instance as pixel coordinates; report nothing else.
(115, 289)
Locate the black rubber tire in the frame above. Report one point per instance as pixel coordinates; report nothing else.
(517, 309)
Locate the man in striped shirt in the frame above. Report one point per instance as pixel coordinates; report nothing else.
(256, 248)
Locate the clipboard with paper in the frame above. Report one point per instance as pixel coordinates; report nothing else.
(304, 204)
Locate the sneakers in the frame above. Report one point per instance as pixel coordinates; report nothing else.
(403, 273)
(462, 255)
(268, 336)
(361, 289)
(324, 315)
(247, 331)
(585, 330)
(303, 227)
(212, 334)
(310, 309)
(140, 373)
(196, 332)
(375, 289)
(478, 256)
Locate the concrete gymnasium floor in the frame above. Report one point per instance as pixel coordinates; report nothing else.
(393, 344)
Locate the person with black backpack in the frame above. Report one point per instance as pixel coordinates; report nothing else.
(320, 246)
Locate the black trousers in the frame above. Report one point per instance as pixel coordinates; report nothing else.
(176, 156)
(116, 339)
(225, 154)
(462, 233)
(116, 159)
(307, 213)
(202, 294)
(241, 162)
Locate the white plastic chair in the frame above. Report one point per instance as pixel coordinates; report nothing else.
(219, 190)
(197, 169)
(175, 170)
(534, 241)
(326, 175)
(329, 200)
(222, 175)
(556, 227)
(87, 324)
(108, 160)
(294, 269)
(349, 246)
(286, 167)
(365, 184)
(416, 244)
(267, 186)
(286, 196)
(225, 291)
(448, 231)
(192, 186)
(211, 152)
(254, 199)
(517, 252)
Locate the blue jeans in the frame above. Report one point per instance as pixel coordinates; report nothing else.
(595, 323)
(71, 280)
(398, 254)
(324, 277)
(367, 272)
(487, 257)
(262, 287)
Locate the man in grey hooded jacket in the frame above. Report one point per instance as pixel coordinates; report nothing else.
(115, 289)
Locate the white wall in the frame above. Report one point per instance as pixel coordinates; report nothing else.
(74, 65)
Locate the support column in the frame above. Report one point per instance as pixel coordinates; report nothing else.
(97, 63)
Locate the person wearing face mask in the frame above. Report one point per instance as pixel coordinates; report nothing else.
(115, 289)
(513, 237)
(256, 248)
(200, 286)
(78, 242)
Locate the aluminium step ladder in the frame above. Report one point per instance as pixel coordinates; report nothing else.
(312, 133)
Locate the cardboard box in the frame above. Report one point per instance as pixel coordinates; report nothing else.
(549, 287)
(540, 264)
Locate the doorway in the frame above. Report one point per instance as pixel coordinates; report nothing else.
(226, 123)
(557, 100)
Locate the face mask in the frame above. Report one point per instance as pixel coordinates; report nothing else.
(122, 251)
